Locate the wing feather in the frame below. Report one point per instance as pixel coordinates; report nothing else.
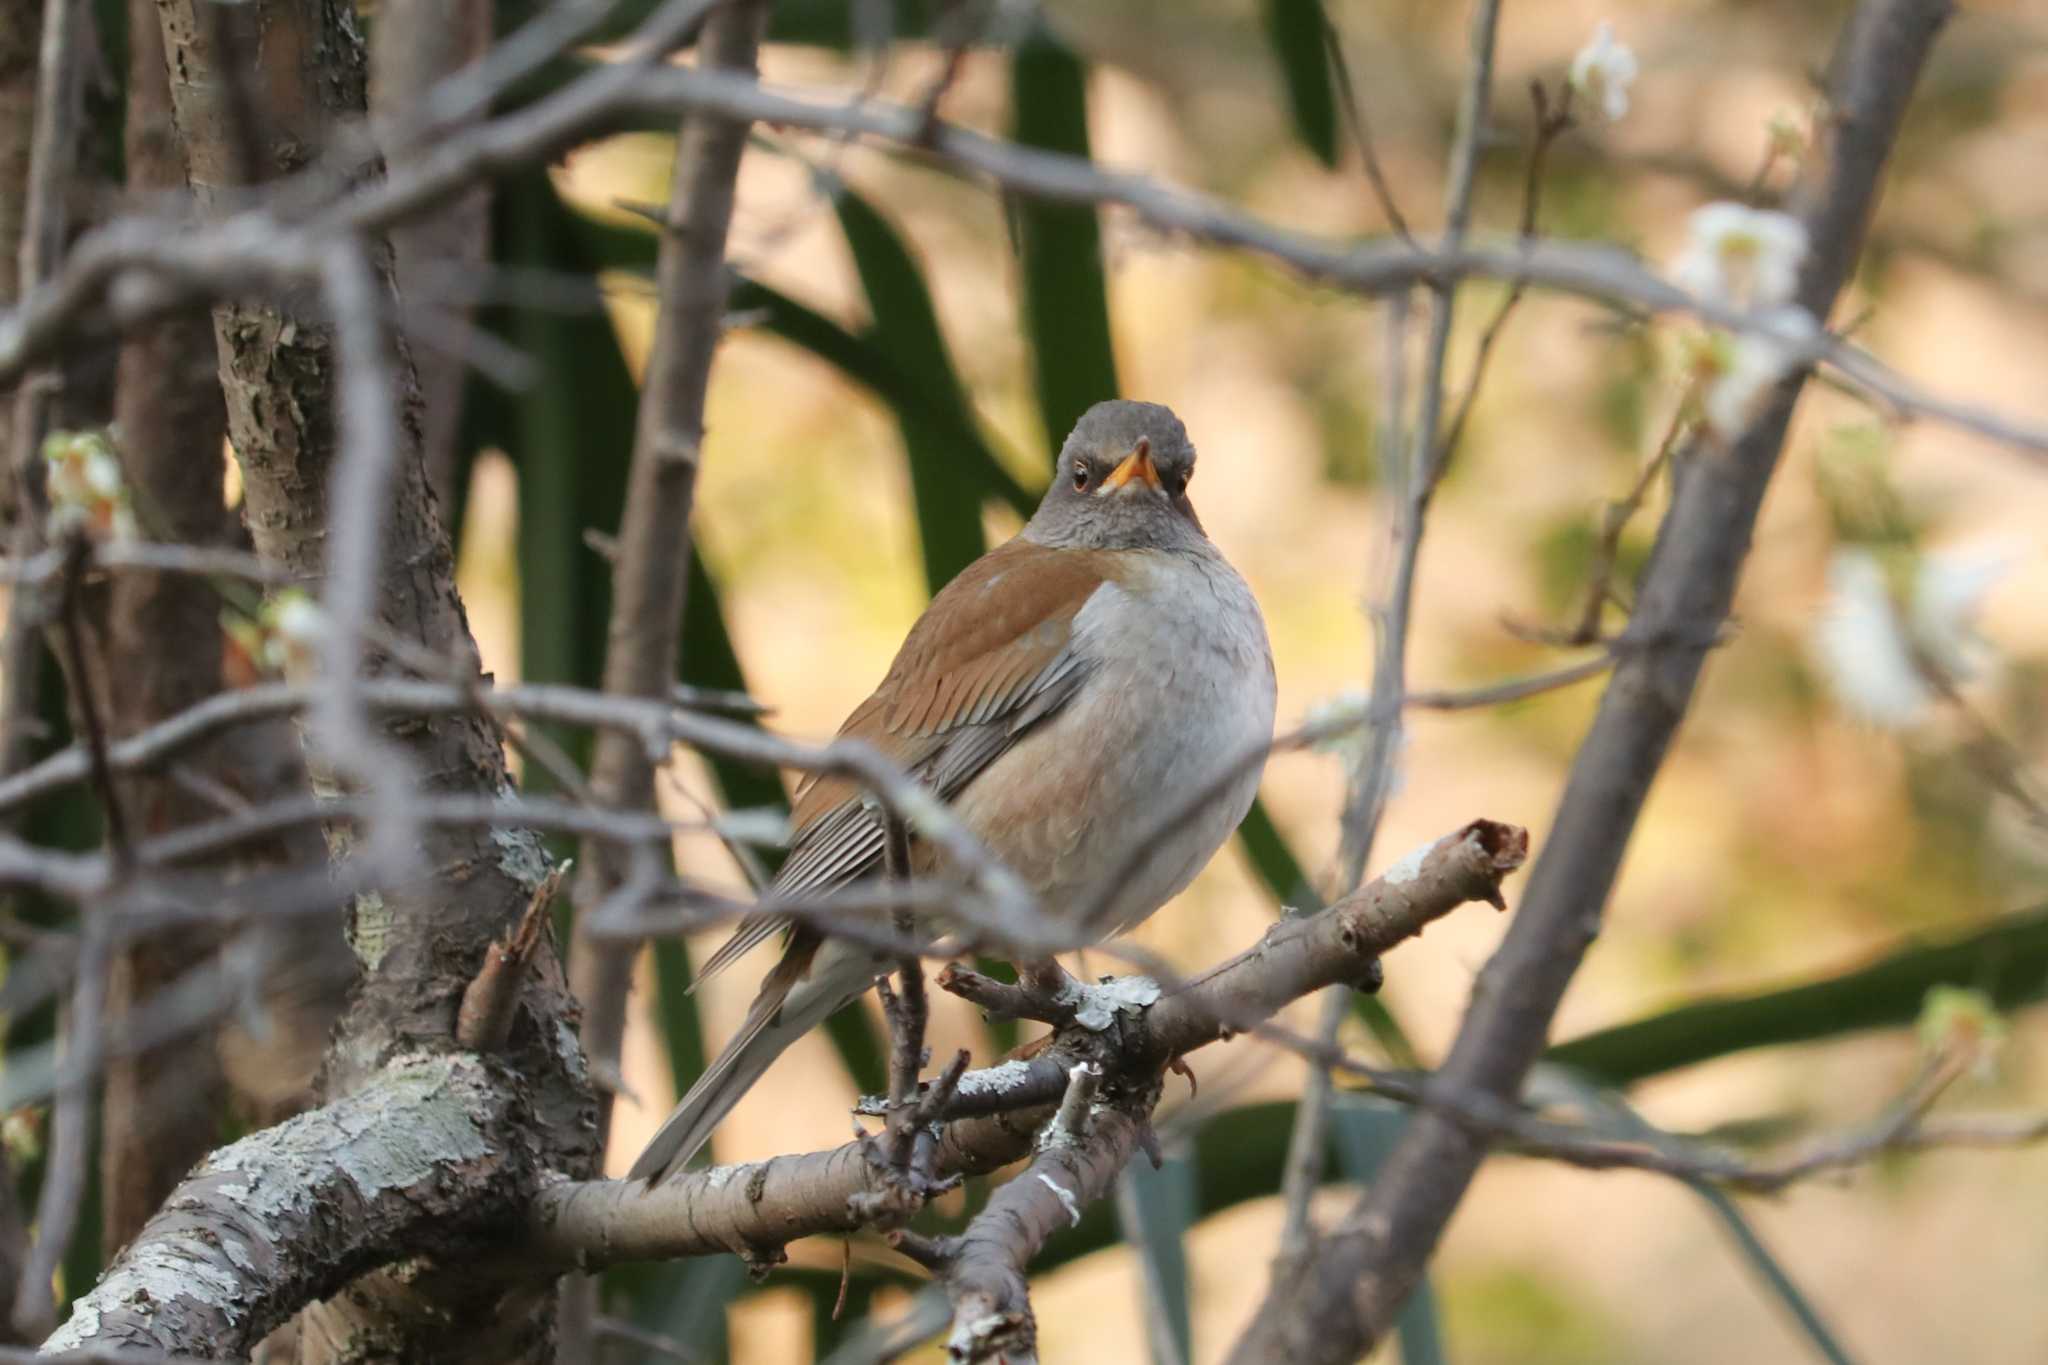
(978, 670)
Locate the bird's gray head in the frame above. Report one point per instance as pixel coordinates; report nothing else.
(1121, 482)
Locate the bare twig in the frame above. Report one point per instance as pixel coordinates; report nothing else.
(1361, 130)
(362, 477)
(985, 1265)
(119, 846)
(70, 1147)
(654, 534)
(1551, 123)
(1614, 521)
(1365, 797)
(1514, 689)
(484, 1020)
(53, 144)
(1345, 1301)
(154, 270)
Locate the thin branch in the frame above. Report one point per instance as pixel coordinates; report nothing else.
(1551, 123)
(1372, 782)
(1345, 1301)
(985, 1264)
(120, 850)
(1614, 521)
(71, 1148)
(54, 135)
(154, 269)
(652, 565)
(1514, 689)
(1361, 130)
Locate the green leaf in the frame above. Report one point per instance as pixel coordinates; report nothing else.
(684, 1300)
(1066, 308)
(2007, 960)
(1364, 1129)
(1300, 35)
(1156, 1208)
(940, 412)
(572, 441)
(943, 483)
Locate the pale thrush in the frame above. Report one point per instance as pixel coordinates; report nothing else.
(1059, 694)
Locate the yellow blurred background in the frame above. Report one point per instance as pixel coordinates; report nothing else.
(1782, 839)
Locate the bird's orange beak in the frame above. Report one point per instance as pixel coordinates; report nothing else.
(1136, 466)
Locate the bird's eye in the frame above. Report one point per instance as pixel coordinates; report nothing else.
(1080, 476)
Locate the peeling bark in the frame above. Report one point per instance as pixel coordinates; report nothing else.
(409, 1166)
(419, 944)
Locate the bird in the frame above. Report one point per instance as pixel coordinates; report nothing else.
(1058, 695)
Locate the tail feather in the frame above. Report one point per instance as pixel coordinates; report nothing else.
(790, 1005)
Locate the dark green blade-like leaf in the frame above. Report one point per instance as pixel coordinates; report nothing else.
(572, 441)
(910, 398)
(681, 1026)
(1066, 308)
(906, 327)
(941, 410)
(1364, 1129)
(2007, 960)
(1300, 35)
(1156, 1209)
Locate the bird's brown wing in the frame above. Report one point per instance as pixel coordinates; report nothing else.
(990, 658)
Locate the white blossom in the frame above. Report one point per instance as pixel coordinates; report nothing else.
(1740, 256)
(1885, 657)
(85, 486)
(1948, 595)
(292, 626)
(1749, 365)
(1338, 726)
(1603, 72)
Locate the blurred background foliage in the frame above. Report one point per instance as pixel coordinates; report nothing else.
(907, 350)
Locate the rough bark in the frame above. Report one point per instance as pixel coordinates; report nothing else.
(160, 1106)
(410, 1166)
(418, 943)
(1343, 1300)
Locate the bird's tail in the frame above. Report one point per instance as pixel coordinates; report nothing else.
(811, 983)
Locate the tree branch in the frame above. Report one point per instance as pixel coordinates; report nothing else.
(408, 1165)
(295, 1211)
(1342, 1305)
(652, 568)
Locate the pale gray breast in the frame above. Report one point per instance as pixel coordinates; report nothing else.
(1181, 687)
